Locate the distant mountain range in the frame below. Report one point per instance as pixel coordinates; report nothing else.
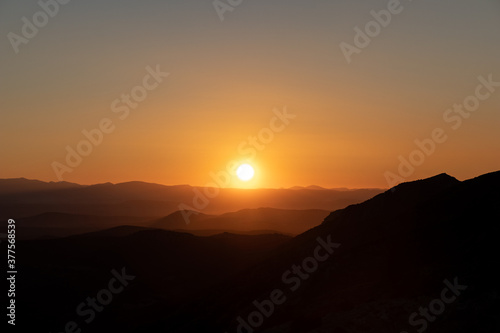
(51, 225)
(369, 267)
(63, 209)
(291, 222)
(22, 198)
(247, 221)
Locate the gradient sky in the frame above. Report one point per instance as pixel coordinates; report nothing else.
(353, 120)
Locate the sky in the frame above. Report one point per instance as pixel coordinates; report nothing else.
(269, 83)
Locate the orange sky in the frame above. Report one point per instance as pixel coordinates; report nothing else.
(225, 79)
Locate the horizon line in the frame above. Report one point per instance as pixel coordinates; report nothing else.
(294, 187)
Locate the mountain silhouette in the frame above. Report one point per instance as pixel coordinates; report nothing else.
(394, 254)
(291, 222)
(52, 224)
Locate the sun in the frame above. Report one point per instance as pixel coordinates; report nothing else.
(245, 172)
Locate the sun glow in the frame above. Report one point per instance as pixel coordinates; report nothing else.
(245, 172)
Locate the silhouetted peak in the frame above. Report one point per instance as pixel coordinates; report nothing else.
(435, 183)
(400, 197)
(443, 177)
(184, 211)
